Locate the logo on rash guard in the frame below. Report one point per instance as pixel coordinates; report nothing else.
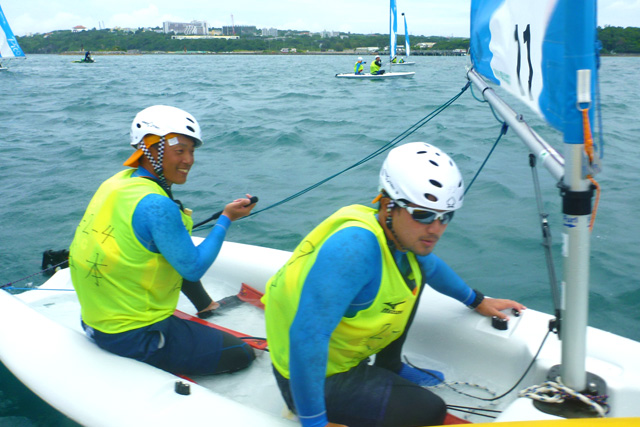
(392, 307)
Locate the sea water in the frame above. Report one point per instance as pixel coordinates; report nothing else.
(274, 126)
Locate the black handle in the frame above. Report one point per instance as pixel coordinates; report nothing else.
(252, 200)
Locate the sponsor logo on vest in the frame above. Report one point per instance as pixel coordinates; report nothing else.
(392, 307)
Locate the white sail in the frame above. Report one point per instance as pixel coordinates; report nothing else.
(407, 45)
(9, 47)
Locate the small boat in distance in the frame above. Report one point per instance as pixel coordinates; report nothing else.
(88, 59)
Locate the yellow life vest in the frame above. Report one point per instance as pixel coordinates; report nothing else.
(356, 338)
(121, 285)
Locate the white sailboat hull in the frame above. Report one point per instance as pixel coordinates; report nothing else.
(42, 344)
(376, 76)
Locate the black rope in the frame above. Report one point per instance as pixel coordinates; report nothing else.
(413, 128)
(503, 394)
(9, 285)
(470, 410)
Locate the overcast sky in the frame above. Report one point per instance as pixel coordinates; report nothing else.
(424, 17)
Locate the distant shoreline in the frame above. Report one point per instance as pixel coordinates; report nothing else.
(347, 53)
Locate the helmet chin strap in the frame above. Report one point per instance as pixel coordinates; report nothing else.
(389, 222)
(157, 165)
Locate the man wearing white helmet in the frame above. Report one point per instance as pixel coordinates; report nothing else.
(350, 291)
(375, 66)
(359, 67)
(132, 254)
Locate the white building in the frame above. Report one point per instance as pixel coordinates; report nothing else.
(367, 49)
(326, 34)
(428, 45)
(269, 32)
(193, 28)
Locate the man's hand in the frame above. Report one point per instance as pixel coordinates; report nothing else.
(239, 208)
(492, 307)
(208, 312)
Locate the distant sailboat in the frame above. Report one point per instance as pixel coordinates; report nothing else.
(9, 47)
(393, 28)
(407, 46)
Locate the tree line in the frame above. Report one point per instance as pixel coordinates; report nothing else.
(614, 40)
(150, 41)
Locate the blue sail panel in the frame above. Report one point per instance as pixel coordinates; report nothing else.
(9, 47)
(407, 45)
(531, 50)
(393, 29)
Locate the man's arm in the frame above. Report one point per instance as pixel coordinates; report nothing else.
(443, 279)
(344, 267)
(158, 225)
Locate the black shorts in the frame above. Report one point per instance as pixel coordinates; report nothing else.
(179, 346)
(370, 396)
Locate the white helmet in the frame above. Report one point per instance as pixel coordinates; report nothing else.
(161, 120)
(420, 173)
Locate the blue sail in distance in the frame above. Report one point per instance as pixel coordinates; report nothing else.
(9, 47)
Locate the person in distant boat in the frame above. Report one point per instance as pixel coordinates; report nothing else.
(396, 61)
(350, 291)
(87, 57)
(132, 255)
(359, 67)
(375, 66)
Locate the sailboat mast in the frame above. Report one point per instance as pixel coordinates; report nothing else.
(577, 192)
(393, 29)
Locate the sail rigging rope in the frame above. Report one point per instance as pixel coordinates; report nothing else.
(556, 392)
(503, 132)
(484, 100)
(589, 150)
(395, 141)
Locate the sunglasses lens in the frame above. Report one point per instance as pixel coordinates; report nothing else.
(427, 217)
(446, 218)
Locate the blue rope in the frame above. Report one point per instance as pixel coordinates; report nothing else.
(503, 131)
(413, 128)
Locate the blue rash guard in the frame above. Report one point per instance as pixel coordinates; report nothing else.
(344, 280)
(158, 226)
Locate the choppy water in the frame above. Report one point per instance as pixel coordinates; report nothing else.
(274, 125)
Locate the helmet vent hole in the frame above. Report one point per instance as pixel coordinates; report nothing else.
(190, 120)
(433, 163)
(435, 183)
(190, 128)
(138, 125)
(421, 152)
(430, 197)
